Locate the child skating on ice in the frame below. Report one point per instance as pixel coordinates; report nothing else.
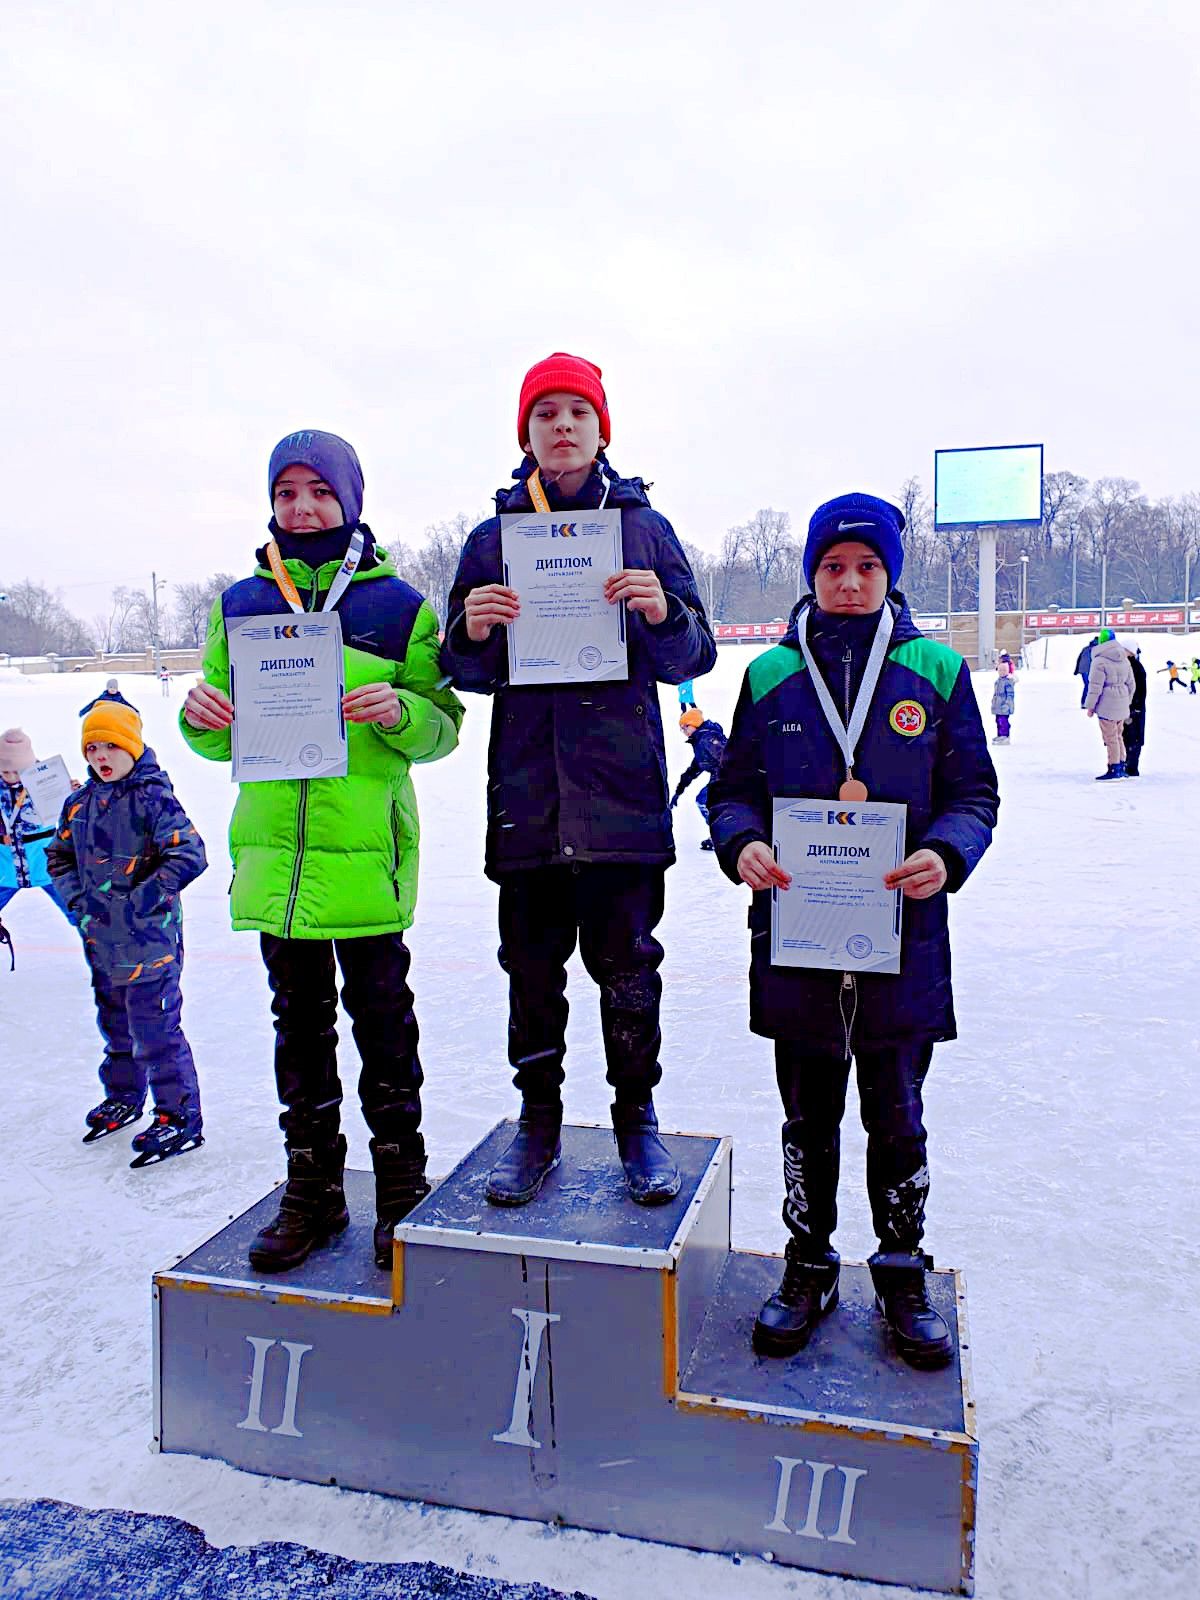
(123, 852)
(707, 739)
(1004, 699)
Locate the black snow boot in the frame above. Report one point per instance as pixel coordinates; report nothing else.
(400, 1184)
(809, 1291)
(652, 1176)
(920, 1335)
(530, 1158)
(312, 1209)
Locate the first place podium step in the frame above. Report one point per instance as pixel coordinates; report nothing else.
(581, 1360)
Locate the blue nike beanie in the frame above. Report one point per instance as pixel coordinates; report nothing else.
(860, 517)
(325, 453)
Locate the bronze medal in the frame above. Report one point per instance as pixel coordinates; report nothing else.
(852, 789)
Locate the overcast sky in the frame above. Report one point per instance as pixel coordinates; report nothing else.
(808, 244)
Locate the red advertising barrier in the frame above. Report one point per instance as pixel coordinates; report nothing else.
(1157, 617)
(749, 630)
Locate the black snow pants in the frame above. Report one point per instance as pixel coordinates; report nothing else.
(379, 1001)
(611, 911)
(813, 1086)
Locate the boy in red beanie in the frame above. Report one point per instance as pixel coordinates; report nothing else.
(579, 825)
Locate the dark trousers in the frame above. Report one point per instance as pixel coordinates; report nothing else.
(611, 911)
(144, 1044)
(813, 1089)
(376, 995)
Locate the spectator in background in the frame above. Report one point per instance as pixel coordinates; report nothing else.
(1172, 672)
(1135, 728)
(1083, 665)
(1004, 699)
(1109, 693)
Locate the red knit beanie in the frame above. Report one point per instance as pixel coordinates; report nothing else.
(568, 375)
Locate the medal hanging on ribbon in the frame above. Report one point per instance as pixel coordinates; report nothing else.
(341, 577)
(848, 736)
(538, 495)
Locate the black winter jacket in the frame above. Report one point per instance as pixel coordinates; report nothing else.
(708, 746)
(923, 745)
(578, 773)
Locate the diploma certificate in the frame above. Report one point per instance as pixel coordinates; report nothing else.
(837, 915)
(567, 631)
(47, 783)
(286, 681)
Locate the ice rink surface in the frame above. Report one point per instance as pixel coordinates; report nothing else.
(1064, 1146)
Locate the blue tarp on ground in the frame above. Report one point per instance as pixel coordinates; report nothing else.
(53, 1551)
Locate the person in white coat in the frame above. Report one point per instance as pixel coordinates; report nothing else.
(1109, 694)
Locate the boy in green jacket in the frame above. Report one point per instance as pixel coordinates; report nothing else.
(325, 865)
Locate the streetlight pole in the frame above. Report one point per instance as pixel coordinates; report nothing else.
(1103, 583)
(1024, 592)
(156, 639)
(1074, 566)
(949, 598)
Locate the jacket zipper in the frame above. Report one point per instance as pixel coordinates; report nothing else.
(849, 982)
(301, 819)
(846, 661)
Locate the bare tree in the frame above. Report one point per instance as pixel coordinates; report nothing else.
(726, 569)
(34, 622)
(767, 540)
(193, 602)
(431, 568)
(115, 631)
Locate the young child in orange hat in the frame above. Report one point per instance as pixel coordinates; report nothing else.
(123, 852)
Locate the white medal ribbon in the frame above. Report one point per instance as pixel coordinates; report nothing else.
(341, 577)
(848, 737)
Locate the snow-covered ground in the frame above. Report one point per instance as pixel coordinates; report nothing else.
(1065, 1138)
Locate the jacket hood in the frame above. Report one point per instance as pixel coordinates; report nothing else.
(1111, 650)
(903, 626)
(621, 491)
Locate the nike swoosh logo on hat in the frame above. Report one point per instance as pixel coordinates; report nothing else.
(844, 527)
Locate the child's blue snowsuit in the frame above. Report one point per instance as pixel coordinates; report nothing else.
(24, 839)
(123, 852)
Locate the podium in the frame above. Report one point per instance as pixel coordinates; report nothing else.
(579, 1360)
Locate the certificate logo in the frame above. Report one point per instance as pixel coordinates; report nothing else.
(590, 657)
(908, 717)
(563, 530)
(859, 946)
(310, 755)
(287, 630)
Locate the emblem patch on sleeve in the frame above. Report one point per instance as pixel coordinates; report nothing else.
(908, 717)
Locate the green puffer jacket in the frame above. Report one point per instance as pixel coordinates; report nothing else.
(336, 858)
